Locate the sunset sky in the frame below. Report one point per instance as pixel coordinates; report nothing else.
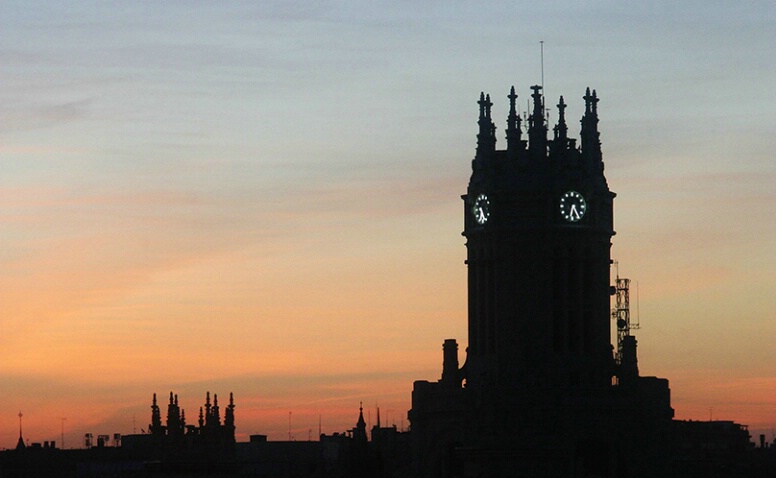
(264, 198)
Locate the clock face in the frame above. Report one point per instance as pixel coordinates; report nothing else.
(572, 206)
(481, 209)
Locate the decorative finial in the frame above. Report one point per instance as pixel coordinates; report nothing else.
(513, 123)
(488, 104)
(561, 130)
(538, 106)
(587, 99)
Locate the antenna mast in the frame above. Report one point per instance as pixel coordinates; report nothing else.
(62, 430)
(544, 92)
(621, 311)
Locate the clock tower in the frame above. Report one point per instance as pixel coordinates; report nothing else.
(540, 393)
(538, 224)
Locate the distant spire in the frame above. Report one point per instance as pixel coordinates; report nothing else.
(208, 410)
(174, 424)
(20, 444)
(156, 418)
(216, 411)
(361, 422)
(359, 433)
(229, 417)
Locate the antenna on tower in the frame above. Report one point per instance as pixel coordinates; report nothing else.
(541, 48)
(621, 311)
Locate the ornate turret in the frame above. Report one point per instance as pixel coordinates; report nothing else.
(514, 132)
(486, 137)
(589, 135)
(537, 129)
(561, 130)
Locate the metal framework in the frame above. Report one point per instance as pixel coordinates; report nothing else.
(621, 311)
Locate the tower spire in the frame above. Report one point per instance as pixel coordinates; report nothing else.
(514, 132)
(361, 422)
(561, 130)
(537, 130)
(229, 418)
(156, 418)
(486, 139)
(589, 135)
(215, 410)
(20, 444)
(359, 433)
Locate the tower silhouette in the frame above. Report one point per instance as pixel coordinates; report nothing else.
(538, 393)
(538, 223)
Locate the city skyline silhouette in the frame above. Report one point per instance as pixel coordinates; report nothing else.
(265, 200)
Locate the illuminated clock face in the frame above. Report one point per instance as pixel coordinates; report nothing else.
(481, 209)
(572, 206)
